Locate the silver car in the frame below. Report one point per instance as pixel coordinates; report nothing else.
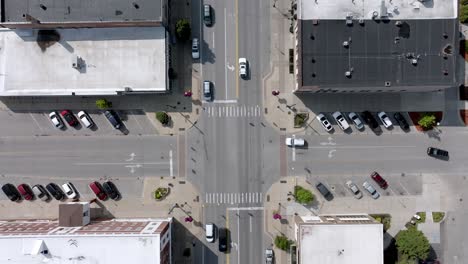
(356, 120)
(324, 121)
(195, 49)
(354, 189)
(373, 192)
(340, 119)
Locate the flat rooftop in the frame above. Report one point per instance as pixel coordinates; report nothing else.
(82, 10)
(341, 243)
(111, 59)
(380, 53)
(366, 9)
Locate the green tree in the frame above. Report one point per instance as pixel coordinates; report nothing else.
(464, 11)
(283, 243)
(162, 117)
(183, 29)
(412, 244)
(302, 195)
(103, 104)
(427, 121)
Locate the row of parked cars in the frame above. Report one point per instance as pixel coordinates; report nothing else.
(356, 120)
(355, 189)
(85, 119)
(212, 232)
(68, 190)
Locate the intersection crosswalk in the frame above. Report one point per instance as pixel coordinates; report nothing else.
(234, 198)
(231, 110)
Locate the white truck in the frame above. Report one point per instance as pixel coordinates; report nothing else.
(269, 256)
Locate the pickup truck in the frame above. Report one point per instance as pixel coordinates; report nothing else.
(269, 256)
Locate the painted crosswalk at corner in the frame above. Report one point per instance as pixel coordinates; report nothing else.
(234, 198)
(231, 110)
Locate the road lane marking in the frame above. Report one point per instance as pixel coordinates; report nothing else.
(119, 163)
(245, 208)
(250, 223)
(132, 157)
(293, 149)
(330, 153)
(213, 40)
(237, 47)
(225, 101)
(358, 147)
(225, 55)
(171, 169)
(37, 123)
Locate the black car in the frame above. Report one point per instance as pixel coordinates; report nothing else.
(401, 121)
(113, 119)
(55, 191)
(324, 191)
(111, 190)
(438, 153)
(223, 239)
(370, 120)
(11, 192)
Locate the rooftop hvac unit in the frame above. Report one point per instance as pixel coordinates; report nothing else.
(348, 74)
(346, 44)
(388, 84)
(128, 89)
(414, 61)
(349, 19)
(375, 14)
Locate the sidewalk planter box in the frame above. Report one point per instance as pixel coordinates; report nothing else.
(300, 119)
(161, 193)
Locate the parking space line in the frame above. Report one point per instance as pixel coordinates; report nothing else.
(136, 120)
(35, 121)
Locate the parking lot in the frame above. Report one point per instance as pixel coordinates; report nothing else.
(38, 124)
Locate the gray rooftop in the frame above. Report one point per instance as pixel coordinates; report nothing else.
(82, 10)
(378, 52)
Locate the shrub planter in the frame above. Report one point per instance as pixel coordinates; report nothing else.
(163, 117)
(161, 193)
(300, 119)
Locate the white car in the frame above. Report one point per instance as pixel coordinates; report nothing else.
(85, 119)
(356, 120)
(195, 49)
(385, 120)
(295, 142)
(243, 67)
(342, 123)
(69, 190)
(56, 120)
(373, 192)
(354, 189)
(324, 121)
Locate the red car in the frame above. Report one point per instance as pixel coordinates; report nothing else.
(379, 180)
(25, 191)
(98, 190)
(69, 117)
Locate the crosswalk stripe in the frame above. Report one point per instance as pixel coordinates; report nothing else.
(233, 198)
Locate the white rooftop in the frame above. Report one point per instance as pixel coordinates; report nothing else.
(394, 9)
(341, 243)
(114, 58)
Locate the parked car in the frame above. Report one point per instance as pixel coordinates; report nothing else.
(11, 192)
(56, 120)
(324, 121)
(342, 123)
(195, 49)
(269, 256)
(41, 192)
(210, 232)
(295, 142)
(324, 191)
(373, 192)
(243, 68)
(85, 119)
(207, 16)
(113, 118)
(98, 190)
(385, 119)
(379, 180)
(223, 239)
(69, 117)
(26, 191)
(356, 120)
(55, 191)
(354, 189)
(437, 153)
(111, 190)
(401, 121)
(69, 190)
(370, 120)
(207, 91)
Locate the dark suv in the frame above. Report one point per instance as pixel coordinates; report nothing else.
(437, 153)
(379, 180)
(223, 236)
(11, 192)
(111, 190)
(370, 120)
(401, 121)
(113, 118)
(324, 191)
(55, 191)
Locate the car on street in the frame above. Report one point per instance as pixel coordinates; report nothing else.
(324, 121)
(26, 191)
(55, 191)
(98, 190)
(370, 120)
(401, 121)
(379, 180)
(342, 123)
(324, 191)
(113, 118)
(69, 117)
(195, 49)
(207, 91)
(56, 120)
(385, 119)
(438, 153)
(295, 142)
(356, 120)
(243, 68)
(85, 119)
(269, 256)
(373, 192)
(210, 232)
(11, 192)
(111, 190)
(223, 239)
(207, 16)
(41, 192)
(354, 189)
(69, 190)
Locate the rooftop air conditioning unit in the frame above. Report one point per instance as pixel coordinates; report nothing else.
(388, 84)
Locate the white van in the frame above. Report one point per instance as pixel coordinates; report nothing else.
(210, 232)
